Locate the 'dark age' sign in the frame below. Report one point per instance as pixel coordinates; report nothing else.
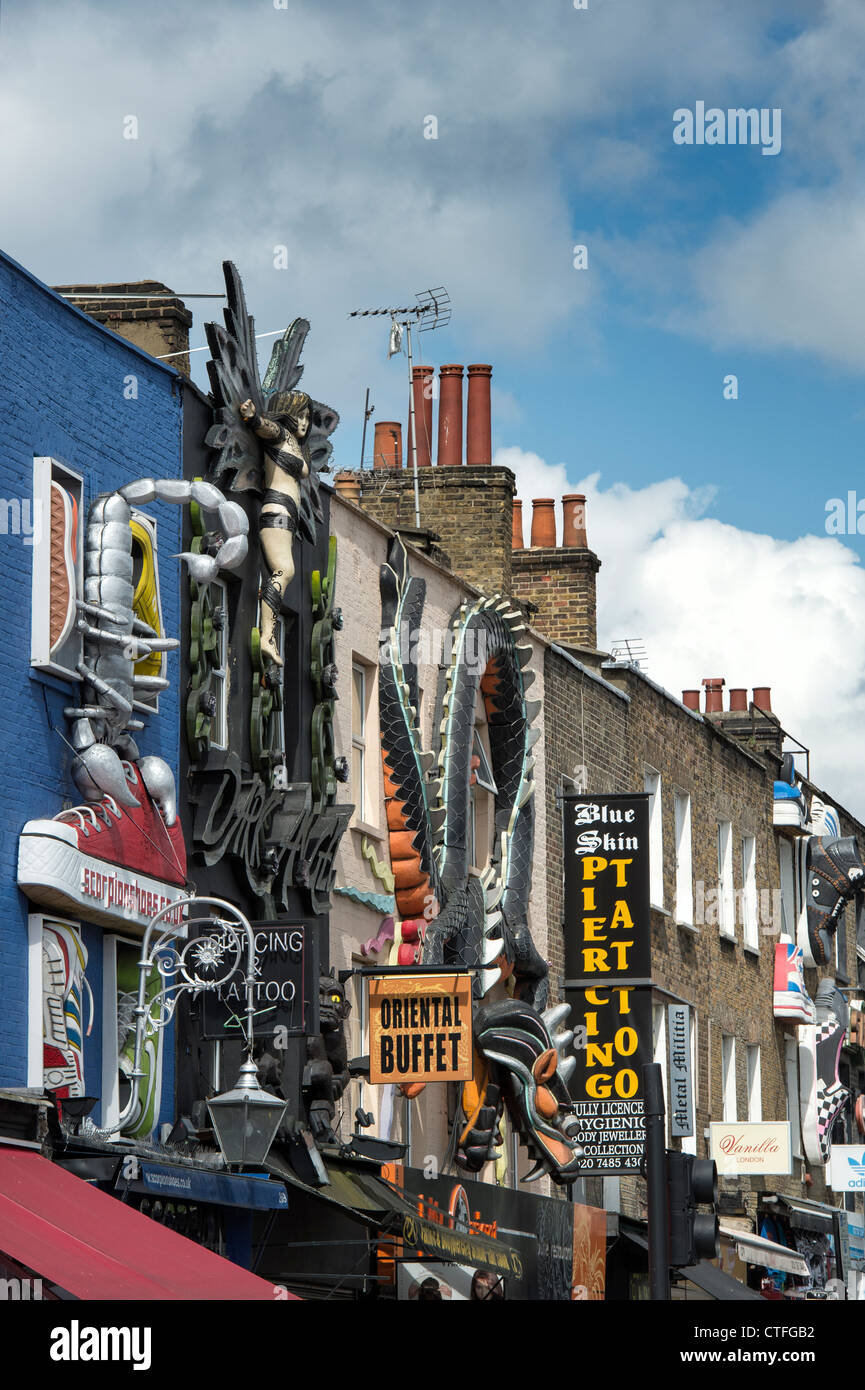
(420, 1028)
(607, 974)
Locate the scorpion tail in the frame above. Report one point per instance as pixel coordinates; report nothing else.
(98, 770)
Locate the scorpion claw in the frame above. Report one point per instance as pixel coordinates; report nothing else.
(98, 770)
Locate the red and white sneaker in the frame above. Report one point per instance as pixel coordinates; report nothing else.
(104, 862)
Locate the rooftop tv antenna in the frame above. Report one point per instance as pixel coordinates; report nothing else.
(631, 650)
(431, 310)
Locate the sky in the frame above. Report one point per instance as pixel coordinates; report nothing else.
(700, 373)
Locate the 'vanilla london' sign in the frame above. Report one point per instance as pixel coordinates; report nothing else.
(751, 1148)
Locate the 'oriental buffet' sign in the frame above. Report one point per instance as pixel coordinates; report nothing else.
(607, 973)
(420, 1028)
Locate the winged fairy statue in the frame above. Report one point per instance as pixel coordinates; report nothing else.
(271, 439)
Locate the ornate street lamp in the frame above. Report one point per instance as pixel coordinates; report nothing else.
(245, 1119)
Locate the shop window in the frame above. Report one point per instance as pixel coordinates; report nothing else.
(119, 997)
(652, 784)
(726, 896)
(55, 530)
(684, 872)
(755, 1083)
(728, 1077)
(749, 893)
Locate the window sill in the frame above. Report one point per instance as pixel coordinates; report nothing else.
(689, 928)
(372, 832)
(663, 911)
(731, 937)
(751, 950)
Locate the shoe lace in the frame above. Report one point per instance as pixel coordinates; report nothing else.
(92, 816)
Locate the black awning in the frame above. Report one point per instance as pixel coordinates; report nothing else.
(808, 1216)
(717, 1284)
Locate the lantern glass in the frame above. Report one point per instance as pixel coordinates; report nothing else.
(246, 1120)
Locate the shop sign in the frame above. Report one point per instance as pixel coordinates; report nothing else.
(751, 1147)
(420, 1028)
(681, 1081)
(285, 991)
(847, 1168)
(607, 973)
(54, 873)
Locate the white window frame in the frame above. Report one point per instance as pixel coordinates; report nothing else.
(684, 860)
(755, 1083)
(652, 784)
(730, 1112)
(750, 922)
(358, 740)
(726, 894)
(46, 470)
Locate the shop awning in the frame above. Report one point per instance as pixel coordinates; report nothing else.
(808, 1216)
(719, 1285)
(756, 1250)
(97, 1247)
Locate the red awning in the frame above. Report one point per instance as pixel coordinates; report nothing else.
(96, 1247)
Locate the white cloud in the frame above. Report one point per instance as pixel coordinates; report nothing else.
(708, 599)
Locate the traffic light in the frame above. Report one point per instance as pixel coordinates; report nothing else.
(694, 1235)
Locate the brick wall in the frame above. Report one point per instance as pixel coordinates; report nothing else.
(156, 325)
(67, 391)
(469, 509)
(561, 585)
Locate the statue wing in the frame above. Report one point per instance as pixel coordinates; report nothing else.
(233, 372)
(283, 372)
(324, 422)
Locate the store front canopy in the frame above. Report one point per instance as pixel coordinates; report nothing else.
(756, 1250)
(96, 1247)
(807, 1216)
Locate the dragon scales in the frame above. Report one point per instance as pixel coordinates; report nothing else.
(464, 919)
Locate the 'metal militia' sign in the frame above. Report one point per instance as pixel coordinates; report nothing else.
(420, 1028)
(285, 990)
(608, 973)
(681, 1103)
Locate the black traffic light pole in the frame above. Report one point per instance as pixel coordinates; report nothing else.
(656, 1180)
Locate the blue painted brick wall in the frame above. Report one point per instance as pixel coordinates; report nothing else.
(61, 394)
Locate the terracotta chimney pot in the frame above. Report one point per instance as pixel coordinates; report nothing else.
(450, 448)
(348, 486)
(714, 694)
(543, 523)
(763, 697)
(387, 448)
(739, 700)
(479, 443)
(422, 379)
(517, 533)
(691, 699)
(574, 520)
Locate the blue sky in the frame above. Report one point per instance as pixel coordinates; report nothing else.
(276, 123)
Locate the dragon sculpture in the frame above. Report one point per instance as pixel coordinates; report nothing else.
(449, 914)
